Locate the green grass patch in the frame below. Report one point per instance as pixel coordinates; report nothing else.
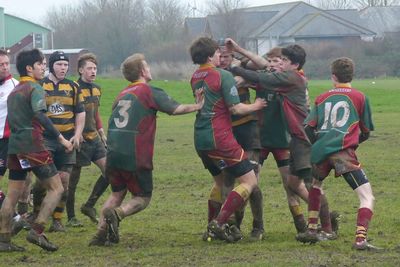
(168, 232)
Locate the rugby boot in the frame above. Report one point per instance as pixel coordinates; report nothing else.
(364, 245)
(112, 221)
(209, 236)
(56, 226)
(74, 222)
(324, 236)
(90, 212)
(308, 237)
(220, 231)
(257, 234)
(99, 239)
(10, 247)
(40, 240)
(235, 233)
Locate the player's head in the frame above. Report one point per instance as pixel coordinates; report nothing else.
(87, 67)
(274, 59)
(293, 56)
(225, 57)
(342, 69)
(58, 64)
(205, 50)
(30, 63)
(4, 65)
(135, 67)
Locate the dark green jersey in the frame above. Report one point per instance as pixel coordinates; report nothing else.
(339, 116)
(132, 126)
(213, 126)
(27, 98)
(272, 121)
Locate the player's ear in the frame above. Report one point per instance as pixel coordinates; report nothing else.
(334, 78)
(29, 68)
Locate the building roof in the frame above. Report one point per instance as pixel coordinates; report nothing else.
(28, 21)
(382, 19)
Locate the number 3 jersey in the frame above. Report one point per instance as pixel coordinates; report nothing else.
(339, 116)
(63, 101)
(132, 126)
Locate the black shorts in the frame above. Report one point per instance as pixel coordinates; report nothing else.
(3, 155)
(247, 135)
(91, 151)
(62, 160)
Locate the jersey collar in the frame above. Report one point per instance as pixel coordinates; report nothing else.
(27, 79)
(5, 79)
(343, 85)
(206, 66)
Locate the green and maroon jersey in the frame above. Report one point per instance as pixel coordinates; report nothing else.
(132, 126)
(273, 129)
(292, 86)
(339, 116)
(213, 125)
(91, 94)
(63, 101)
(27, 98)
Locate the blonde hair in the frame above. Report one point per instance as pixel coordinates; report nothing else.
(132, 67)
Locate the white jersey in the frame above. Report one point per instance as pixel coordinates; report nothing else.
(5, 89)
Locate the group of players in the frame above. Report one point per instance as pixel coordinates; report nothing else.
(232, 137)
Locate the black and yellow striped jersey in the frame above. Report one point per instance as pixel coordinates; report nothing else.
(63, 101)
(91, 93)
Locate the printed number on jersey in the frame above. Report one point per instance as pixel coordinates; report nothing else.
(122, 121)
(336, 116)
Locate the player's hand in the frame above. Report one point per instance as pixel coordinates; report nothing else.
(231, 45)
(235, 63)
(240, 82)
(199, 93)
(260, 103)
(76, 141)
(67, 144)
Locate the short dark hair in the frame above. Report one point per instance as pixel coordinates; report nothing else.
(3, 52)
(296, 54)
(203, 48)
(343, 69)
(28, 58)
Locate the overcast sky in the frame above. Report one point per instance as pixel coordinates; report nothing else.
(35, 10)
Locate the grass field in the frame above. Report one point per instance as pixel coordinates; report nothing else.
(168, 232)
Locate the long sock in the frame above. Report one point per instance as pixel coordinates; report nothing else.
(98, 189)
(324, 215)
(38, 227)
(256, 204)
(214, 202)
(73, 182)
(363, 219)
(39, 194)
(234, 201)
(59, 210)
(22, 207)
(314, 203)
(298, 218)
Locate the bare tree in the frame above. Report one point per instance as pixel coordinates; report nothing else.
(230, 14)
(332, 4)
(370, 3)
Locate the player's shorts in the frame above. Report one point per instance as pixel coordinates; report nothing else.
(247, 135)
(233, 160)
(40, 163)
(280, 155)
(3, 155)
(139, 183)
(300, 155)
(342, 162)
(90, 151)
(62, 160)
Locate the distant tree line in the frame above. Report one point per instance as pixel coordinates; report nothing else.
(114, 29)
